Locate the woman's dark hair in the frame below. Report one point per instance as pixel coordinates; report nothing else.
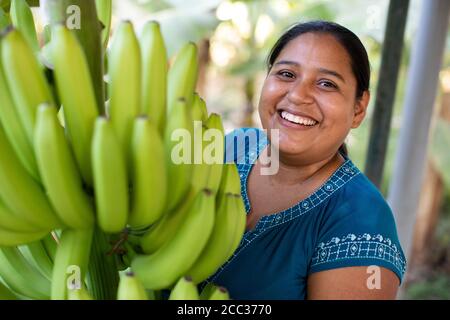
(352, 44)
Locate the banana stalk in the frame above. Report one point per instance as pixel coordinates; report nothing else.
(103, 278)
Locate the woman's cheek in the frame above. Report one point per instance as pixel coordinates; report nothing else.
(271, 93)
(267, 104)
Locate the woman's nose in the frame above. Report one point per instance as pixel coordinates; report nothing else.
(300, 92)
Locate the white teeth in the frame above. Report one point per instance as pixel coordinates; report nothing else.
(297, 119)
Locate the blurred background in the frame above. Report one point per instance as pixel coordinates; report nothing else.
(234, 39)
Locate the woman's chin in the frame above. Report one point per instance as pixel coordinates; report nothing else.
(292, 147)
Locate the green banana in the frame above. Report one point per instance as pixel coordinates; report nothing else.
(21, 277)
(182, 76)
(47, 33)
(208, 173)
(184, 289)
(6, 294)
(149, 177)
(21, 193)
(36, 253)
(131, 288)
(79, 294)
(59, 172)
(23, 72)
(77, 95)
(10, 221)
(104, 13)
(110, 178)
(46, 50)
(50, 243)
(207, 290)
(61, 119)
(219, 293)
(124, 88)
(72, 258)
(241, 220)
(10, 238)
(179, 126)
(165, 228)
(5, 20)
(215, 134)
(163, 268)
(200, 168)
(230, 182)
(219, 244)
(154, 74)
(22, 19)
(199, 110)
(14, 130)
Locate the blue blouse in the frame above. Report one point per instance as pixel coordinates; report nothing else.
(346, 222)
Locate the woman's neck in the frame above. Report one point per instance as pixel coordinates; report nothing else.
(294, 172)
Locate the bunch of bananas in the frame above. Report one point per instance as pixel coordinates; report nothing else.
(66, 169)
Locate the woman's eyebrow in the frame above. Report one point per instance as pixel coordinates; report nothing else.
(288, 62)
(321, 70)
(331, 73)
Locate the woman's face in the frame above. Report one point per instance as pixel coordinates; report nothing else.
(310, 96)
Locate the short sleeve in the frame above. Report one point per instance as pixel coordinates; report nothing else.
(358, 230)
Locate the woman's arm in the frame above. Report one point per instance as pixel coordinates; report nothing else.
(353, 283)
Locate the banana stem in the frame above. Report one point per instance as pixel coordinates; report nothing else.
(103, 277)
(84, 22)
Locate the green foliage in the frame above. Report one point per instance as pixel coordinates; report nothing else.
(439, 150)
(182, 21)
(434, 289)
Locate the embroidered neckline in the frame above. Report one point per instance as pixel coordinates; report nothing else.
(344, 173)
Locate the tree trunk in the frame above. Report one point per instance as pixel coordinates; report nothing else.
(387, 84)
(247, 121)
(204, 59)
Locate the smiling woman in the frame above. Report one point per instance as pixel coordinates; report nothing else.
(317, 228)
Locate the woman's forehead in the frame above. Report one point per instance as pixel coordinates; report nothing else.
(317, 50)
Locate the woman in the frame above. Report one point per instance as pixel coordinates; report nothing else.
(317, 228)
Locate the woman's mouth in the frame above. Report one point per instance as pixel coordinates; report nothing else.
(292, 120)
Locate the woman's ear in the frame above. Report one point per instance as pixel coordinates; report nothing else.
(360, 109)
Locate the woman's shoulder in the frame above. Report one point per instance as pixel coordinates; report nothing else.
(361, 196)
(357, 227)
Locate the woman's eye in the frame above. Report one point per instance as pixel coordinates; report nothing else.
(327, 84)
(286, 74)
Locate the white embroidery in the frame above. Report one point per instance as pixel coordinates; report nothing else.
(365, 246)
